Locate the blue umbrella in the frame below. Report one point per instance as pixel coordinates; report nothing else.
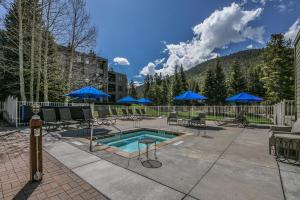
(144, 101)
(88, 92)
(244, 98)
(189, 95)
(127, 100)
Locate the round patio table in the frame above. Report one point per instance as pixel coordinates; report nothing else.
(148, 162)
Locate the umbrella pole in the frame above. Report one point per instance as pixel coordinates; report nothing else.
(91, 129)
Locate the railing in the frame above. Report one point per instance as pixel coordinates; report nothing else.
(257, 114)
(285, 112)
(282, 113)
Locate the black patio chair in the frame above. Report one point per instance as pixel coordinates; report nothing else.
(103, 118)
(144, 113)
(66, 118)
(172, 118)
(49, 119)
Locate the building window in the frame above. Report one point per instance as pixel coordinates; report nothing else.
(111, 88)
(120, 89)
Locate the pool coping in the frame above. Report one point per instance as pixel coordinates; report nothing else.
(115, 150)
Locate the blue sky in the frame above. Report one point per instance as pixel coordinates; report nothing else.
(145, 36)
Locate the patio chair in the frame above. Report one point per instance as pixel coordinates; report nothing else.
(132, 115)
(66, 118)
(240, 120)
(144, 113)
(139, 113)
(295, 129)
(103, 118)
(88, 115)
(114, 113)
(49, 118)
(125, 114)
(200, 120)
(172, 118)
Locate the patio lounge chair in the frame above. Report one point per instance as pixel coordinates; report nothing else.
(172, 118)
(132, 115)
(66, 118)
(240, 120)
(114, 113)
(49, 118)
(198, 121)
(103, 118)
(144, 113)
(139, 113)
(295, 129)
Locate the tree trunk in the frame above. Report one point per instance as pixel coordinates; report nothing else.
(21, 59)
(45, 68)
(70, 71)
(38, 67)
(32, 60)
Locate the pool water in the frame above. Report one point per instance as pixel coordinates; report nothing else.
(129, 142)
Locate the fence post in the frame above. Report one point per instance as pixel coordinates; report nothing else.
(16, 114)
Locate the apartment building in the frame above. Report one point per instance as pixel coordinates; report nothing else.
(117, 85)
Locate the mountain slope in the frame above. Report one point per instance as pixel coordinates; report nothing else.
(246, 58)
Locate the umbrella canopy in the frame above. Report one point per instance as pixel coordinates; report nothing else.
(144, 101)
(244, 97)
(127, 100)
(88, 92)
(189, 95)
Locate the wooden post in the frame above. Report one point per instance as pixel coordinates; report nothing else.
(36, 128)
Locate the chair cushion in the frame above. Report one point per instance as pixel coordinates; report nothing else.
(296, 126)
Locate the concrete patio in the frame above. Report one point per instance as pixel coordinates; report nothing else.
(232, 163)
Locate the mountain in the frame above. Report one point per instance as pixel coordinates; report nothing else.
(246, 58)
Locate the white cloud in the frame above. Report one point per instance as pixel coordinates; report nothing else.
(250, 46)
(222, 27)
(148, 69)
(137, 83)
(281, 7)
(159, 61)
(138, 76)
(293, 30)
(121, 61)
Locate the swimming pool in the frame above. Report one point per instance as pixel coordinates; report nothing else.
(128, 142)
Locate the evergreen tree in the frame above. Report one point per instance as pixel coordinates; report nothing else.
(147, 86)
(237, 81)
(197, 88)
(132, 89)
(209, 87)
(177, 89)
(255, 85)
(165, 91)
(184, 84)
(220, 88)
(278, 69)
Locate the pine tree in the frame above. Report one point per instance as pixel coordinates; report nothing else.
(255, 85)
(278, 69)
(177, 83)
(220, 88)
(165, 91)
(147, 86)
(184, 84)
(209, 87)
(237, 81)
(132, 89)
